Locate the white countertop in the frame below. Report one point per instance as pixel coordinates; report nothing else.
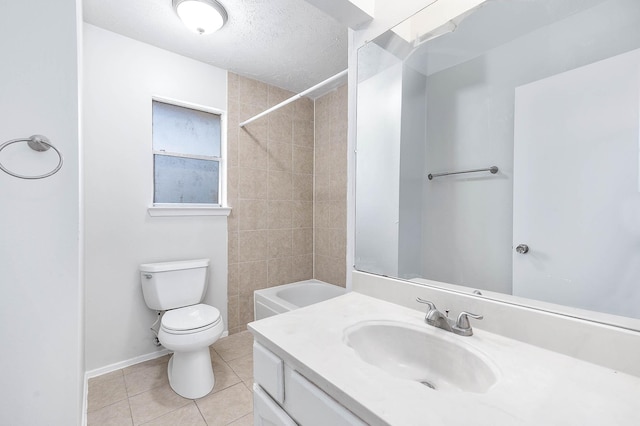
(535, 386)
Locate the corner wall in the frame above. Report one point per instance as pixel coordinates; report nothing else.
(330, 189)
(40, 224)
(121, 77)
(270, 192)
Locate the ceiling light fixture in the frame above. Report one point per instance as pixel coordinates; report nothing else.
(201, 16)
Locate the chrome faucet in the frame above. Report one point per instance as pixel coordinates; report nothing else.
(436, 318)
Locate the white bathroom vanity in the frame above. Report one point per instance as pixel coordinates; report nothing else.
(310, 368)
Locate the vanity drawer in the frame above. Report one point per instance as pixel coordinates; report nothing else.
(268, 372)
(311, 406)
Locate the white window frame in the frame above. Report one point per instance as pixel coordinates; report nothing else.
(193, 209)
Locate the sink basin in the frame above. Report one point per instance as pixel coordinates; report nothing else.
(432, 357)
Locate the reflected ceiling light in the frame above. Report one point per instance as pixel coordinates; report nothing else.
(201, 16)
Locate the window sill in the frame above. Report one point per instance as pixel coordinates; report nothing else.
(159, 211)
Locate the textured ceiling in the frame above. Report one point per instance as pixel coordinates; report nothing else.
(286, 43)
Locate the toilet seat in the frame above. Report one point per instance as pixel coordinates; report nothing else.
(190, 319)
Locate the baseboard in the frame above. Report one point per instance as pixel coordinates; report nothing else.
(126, 363)
(129, 362)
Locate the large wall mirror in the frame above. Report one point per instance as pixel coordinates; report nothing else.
(499, 154)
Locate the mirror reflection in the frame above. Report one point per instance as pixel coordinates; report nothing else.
(499, 151)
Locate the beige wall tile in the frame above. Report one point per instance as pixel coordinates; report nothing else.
(321, 215)
(303, 109)
(322, 187)
(233, 280)
(303, 133)
(252, 214)
(232, 312)
(257, 128)
(323, 159)
(232, 219)
(337, 212)
(302, 187)
(252, 151)
(337, 243)
(302, 214)
(302, 241)
(330, 187)
(280, 127)
(232, 87)
(252, 245)
(302, 267)
(280, 271)
(279, 185)
(232, 256)
(239, 329)
(280, 156)
(252, 184)
(280, 243)
(233, 176)
(252, 92)
(232, 148)
(338, 186)
(302, 159)
(276, 95)
(280, 214)
(323, 243)
(245, 304)
(252, 276)
(322, 268)
(331, 270)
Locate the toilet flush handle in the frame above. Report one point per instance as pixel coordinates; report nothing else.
(148, 276)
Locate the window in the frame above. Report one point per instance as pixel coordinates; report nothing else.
(187, 156)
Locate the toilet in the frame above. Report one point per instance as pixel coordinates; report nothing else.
(187, 327)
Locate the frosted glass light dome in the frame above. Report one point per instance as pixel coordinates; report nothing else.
(201, 16)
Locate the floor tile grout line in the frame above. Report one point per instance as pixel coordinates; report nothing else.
(201, 414)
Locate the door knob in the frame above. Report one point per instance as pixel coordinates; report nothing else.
(522, 248)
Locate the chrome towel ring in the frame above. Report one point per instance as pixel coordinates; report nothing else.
(37, 143)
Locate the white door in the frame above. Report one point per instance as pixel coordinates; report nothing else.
(576, 187)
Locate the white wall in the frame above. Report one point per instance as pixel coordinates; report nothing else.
(40, 284)
(121, 77)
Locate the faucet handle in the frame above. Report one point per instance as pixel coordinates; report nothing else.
(431, 305)
(463, 320)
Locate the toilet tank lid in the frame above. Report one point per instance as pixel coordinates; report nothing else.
(174, 266)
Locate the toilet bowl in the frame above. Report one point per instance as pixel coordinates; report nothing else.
(189, 332)
(187, 327)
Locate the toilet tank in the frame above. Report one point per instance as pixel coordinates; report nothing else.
(170, 285)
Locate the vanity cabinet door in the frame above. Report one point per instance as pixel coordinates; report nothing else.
(311, 406)
(268, 372)
(266, 412)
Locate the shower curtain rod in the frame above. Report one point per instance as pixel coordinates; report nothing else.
(294, 97)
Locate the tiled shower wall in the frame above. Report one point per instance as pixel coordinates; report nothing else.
(270, 190)
(330, 213)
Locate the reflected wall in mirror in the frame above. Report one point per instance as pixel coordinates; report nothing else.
(548, 91)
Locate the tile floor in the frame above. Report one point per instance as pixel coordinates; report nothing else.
(140, 394)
